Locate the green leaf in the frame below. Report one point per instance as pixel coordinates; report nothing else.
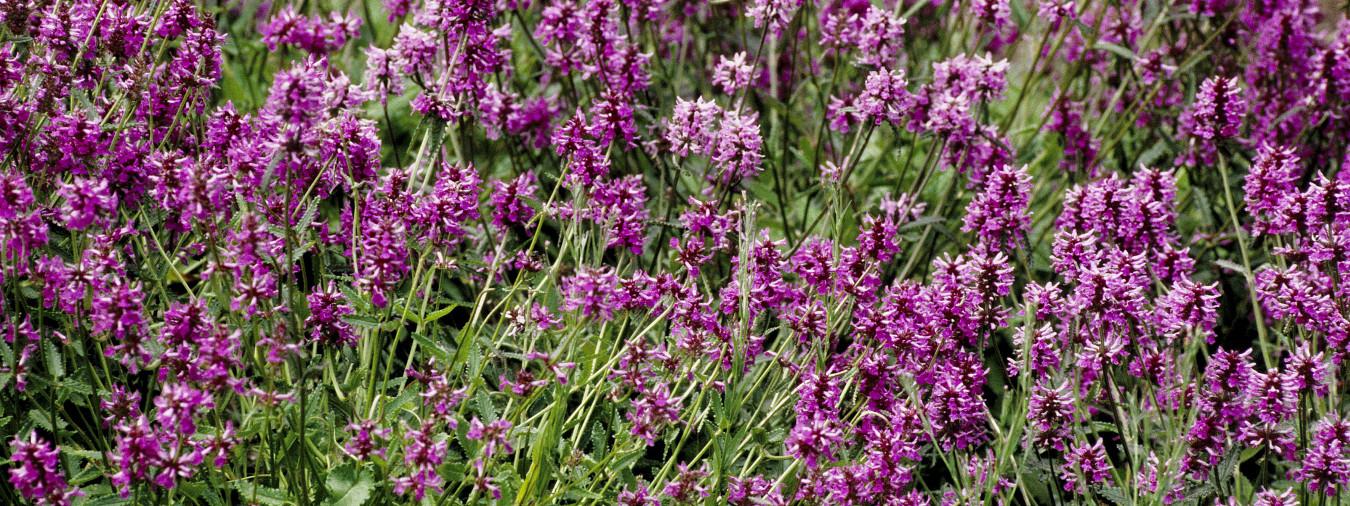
(108, 499)
(1230, 266)
(311, 211)
(348, 486)
(440, 313)
(485, 407)
(1118, 50)
(43, 419)
(1115, 495)
(599, 438)
(77, 387)
(53, 357)
(626, 460)
(198, 490)
(922, 221)
(260, 494)
(404, 398)
(365, 323)
(475, 356)
(432, 347)
(81, 454)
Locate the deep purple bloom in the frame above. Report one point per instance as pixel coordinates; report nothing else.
(1219, 109)
(327, 307)
(37, 474)
(1087, 461)
(998, 214)
(510, 200)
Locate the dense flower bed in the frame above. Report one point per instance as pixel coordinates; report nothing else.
(648, 252)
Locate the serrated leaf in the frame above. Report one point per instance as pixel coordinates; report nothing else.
(484, 405)
(43, 419)
(311, 211)
(108, 499)
(1198, 491)
(77, 386)
(599, 438)
(1115, 495)
(81, 454)
(52, 355)
(475, 356)
(348, 486)
(1230, 266)
(262, 495)
(432, 347)
(403, 399)
(197, 490)
(440, 313)
(1118, 50)
(365, 323)
(625, 460)
(922, 221)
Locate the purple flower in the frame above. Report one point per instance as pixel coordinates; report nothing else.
(620, 206)
(438, 393)
(510, 200)
(137, 448)
(994, 17)
(177, 406)
(493, 435)
(955, 406)
(1272, 177)
(383, 258)
(1087, 461)
(1066, 119)
(195, 190)
(638, 496)
(312, 34)
(692, 127)
(773, 15)
(422, 454)
(976, 78)
(1325, 469)
(382, 77)
(593, 291)
(1051, 414)
(738, 152)
(612, 118)
(686, 487)
(1056, 11)
(1219, 108)
(586, 159)
(753, 491)
(652, 410)
(1189, 306)
(178, 461)
(1269, 497)
(884, 97)
(814, 438)
(1274, 396)
(87, 202)
(444, 212)
(37, 474)
(117, 313)
(326, 308)
(879, 37)
(1310, 371)
(731, 74)
(1042, 353)
(998, 214)
(363, 442)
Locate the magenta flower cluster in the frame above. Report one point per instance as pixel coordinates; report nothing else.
(660, 252)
